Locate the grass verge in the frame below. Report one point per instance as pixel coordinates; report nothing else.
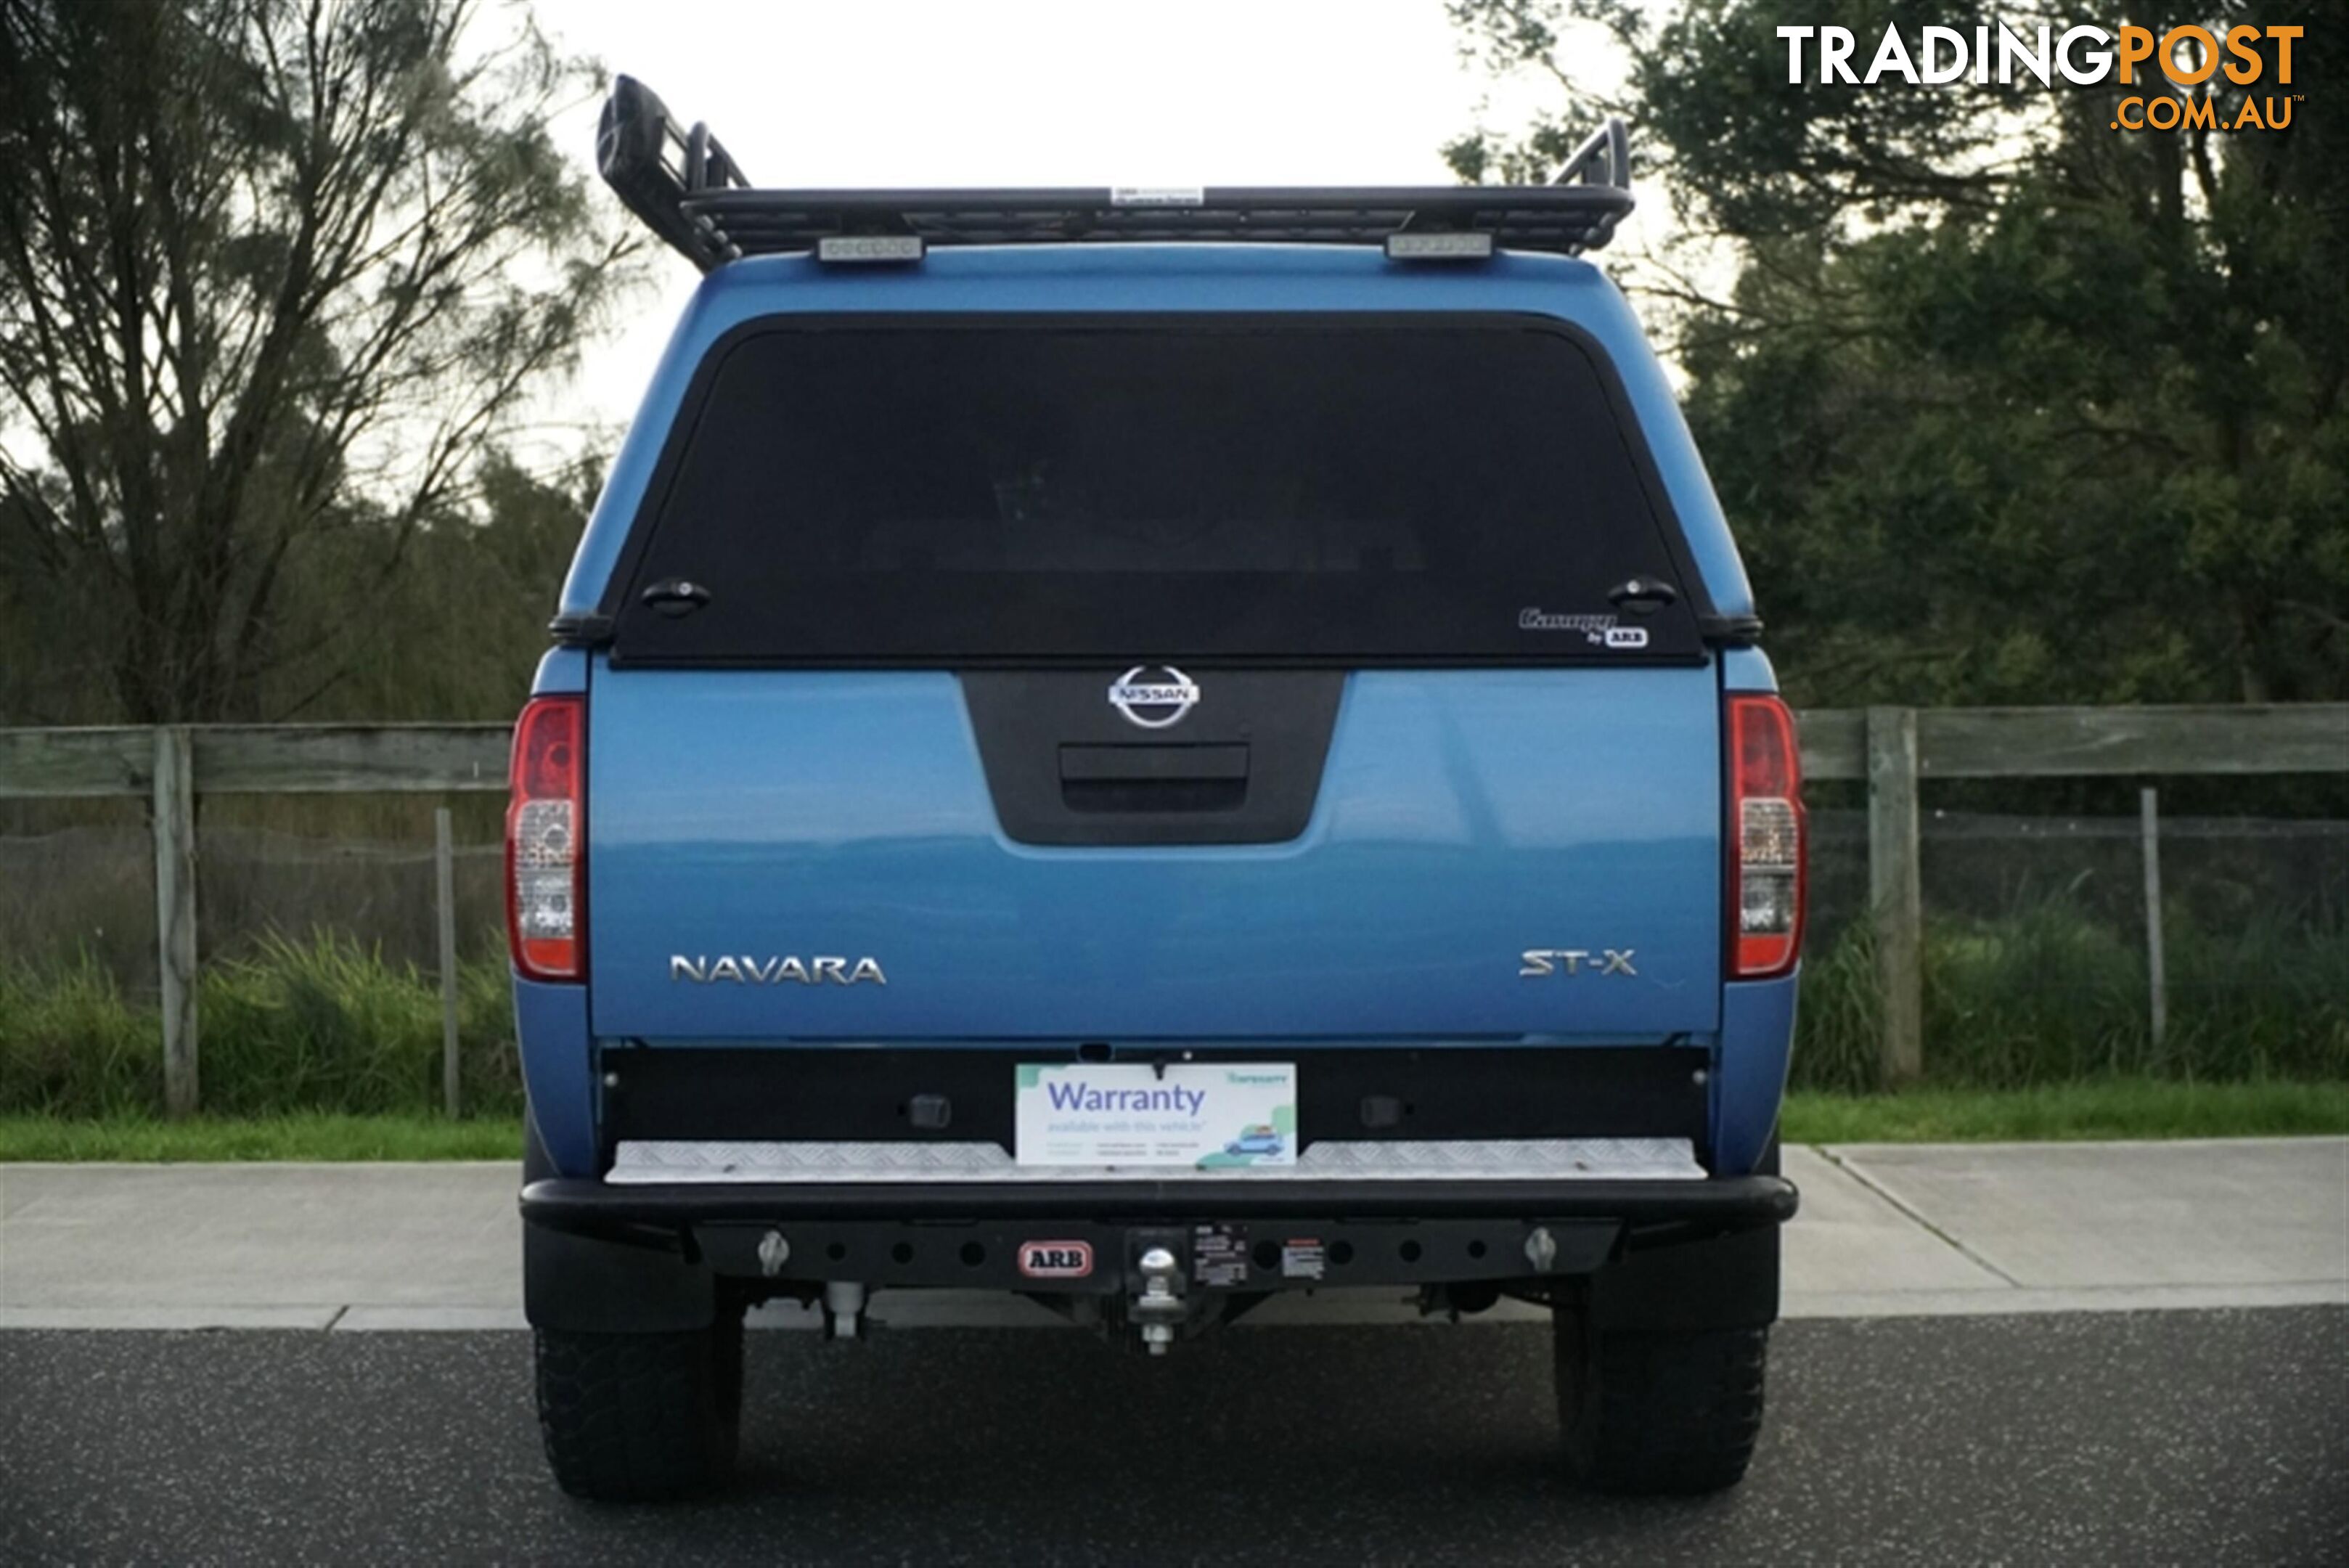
(2048, 997)
(2043, 998)
(291, 1137)
(290, 1028)
(2114, 1108)
(2123, 1108)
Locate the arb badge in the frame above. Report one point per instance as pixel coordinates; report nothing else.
(1056, 1259)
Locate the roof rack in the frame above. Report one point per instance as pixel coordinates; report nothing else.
(691, 193)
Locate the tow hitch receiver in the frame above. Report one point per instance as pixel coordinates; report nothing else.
(1156, 1300)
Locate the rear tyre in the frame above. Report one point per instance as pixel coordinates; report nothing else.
(641, 1417)
(1657, 1411)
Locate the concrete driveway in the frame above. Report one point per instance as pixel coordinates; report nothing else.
(1886, 1230)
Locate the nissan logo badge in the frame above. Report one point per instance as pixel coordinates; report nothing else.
(1155, 696)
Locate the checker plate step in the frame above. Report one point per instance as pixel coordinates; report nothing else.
(651, 1163)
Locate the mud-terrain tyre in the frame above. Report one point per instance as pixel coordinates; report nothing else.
(1660, 1411)
(641, 1417)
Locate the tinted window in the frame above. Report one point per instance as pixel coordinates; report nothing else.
(1162, 488)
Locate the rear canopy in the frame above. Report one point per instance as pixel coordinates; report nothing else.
(1347, 489)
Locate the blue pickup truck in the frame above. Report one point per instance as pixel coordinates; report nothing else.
(1151, 749)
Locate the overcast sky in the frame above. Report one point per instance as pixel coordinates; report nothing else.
(924, 92)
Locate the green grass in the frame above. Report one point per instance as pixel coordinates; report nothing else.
(2034, 1027)
(208, 1137)
(2111, 1108)
(2117, 1108)
(2047, 996)
(321, 1025)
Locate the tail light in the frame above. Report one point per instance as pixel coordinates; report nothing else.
(1766, 879)
(546, 861)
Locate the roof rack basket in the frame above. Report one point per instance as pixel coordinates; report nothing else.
(690, 193)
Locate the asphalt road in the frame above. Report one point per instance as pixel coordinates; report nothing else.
(2182, 1437)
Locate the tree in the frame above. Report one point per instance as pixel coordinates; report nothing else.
(272, 273)
(456, 632)
(2007, 403)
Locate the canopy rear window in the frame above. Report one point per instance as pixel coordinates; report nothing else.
(849, 490)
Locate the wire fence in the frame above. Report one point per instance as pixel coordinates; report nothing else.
(2217, 872)
(88, 888)
(1869, 987)
(301, 904)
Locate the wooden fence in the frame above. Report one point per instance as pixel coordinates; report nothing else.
(172, 765)
(1895, 749)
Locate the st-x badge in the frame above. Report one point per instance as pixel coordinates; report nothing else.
(1536, 963)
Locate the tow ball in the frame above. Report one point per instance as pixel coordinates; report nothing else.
(1156, 1305)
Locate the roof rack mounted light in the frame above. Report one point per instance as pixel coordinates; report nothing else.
(687, 190)
(1475, 244)
(866, 249)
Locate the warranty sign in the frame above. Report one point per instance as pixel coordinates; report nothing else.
(1196, 1115)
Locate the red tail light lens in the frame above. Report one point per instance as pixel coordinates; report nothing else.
(546, 861)
(1766, 877)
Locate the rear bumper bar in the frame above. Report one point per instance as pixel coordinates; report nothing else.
(599, 1248)
(593, 1207)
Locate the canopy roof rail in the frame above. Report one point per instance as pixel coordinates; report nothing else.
(688, 190)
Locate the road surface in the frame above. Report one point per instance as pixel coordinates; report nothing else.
(2138, 1438)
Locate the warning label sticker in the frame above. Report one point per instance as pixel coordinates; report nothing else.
(1303, 1259)
(1219, 1255)
(1157, 196)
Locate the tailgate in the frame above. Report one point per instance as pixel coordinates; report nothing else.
(1463, 818)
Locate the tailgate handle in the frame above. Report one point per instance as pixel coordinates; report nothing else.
(1154, 778)
(1642, 595)
(676, 596)
(1173, 764)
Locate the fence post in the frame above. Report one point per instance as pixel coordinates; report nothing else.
(1894, 903)
(175, 913)
(2149, 822)
(444, 866)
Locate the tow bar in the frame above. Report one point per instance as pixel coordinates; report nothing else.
(1158, 1305)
